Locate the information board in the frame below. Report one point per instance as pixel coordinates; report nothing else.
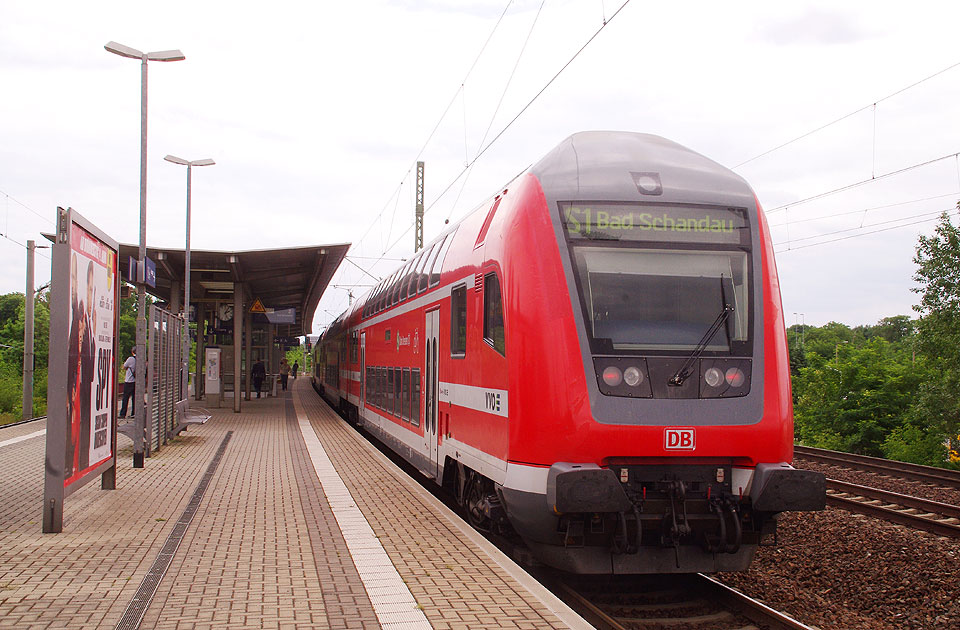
(81, 386)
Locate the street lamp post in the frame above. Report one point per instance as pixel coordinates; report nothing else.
(184, 383)
(141, 373)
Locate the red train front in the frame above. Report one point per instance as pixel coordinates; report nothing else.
(596, 356)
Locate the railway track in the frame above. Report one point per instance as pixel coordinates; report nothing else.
(937, 518)
(690, 602)
(931, 516)
(904, 470)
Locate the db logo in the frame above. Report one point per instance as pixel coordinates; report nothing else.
(679, 439)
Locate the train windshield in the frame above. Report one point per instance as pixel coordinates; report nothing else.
(666, 278)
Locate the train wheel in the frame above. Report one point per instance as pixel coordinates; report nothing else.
(473, 501)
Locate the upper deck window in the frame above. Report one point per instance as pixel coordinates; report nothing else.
(458, 321)
(493, 314)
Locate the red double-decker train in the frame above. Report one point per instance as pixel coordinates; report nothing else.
(595, 358)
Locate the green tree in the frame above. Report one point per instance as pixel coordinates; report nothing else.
(854, 398)
(12, 324)
(937, 410)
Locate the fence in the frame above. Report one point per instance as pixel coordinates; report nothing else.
(164, 364)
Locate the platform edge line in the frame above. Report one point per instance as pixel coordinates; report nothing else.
(550, 601)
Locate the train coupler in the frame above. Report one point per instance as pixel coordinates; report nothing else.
(674, 530)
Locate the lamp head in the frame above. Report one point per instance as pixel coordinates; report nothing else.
(123, 51)
(166, 55)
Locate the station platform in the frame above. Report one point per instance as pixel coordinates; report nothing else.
(299, 523)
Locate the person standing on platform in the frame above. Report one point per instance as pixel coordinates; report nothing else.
(258, 373)
(284, 373)
(129, 381)
(296, 366)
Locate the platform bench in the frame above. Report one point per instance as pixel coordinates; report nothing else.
(187, 415)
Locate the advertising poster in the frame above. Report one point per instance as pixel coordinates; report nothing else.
(91, 386)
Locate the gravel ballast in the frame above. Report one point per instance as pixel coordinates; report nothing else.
(838, 570)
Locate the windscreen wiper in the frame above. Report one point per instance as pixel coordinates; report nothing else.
(684, 372)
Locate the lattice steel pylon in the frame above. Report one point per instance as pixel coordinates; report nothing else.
(418, 237)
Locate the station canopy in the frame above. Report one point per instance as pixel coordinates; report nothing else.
(292, 277)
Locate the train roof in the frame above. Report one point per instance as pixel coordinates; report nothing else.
(616, 165)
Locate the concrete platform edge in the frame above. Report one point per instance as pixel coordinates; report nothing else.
(553, 603)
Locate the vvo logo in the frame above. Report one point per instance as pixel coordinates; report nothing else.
(493, 401)
(679, 439)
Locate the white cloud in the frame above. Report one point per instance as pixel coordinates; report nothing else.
(315, 112)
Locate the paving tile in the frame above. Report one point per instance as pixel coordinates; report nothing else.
(264, 550)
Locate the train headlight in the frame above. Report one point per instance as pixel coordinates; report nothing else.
(632, 376)
(734, 377)
(714, 377)
(612, 376)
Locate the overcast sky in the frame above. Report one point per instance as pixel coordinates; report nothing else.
(316, 112)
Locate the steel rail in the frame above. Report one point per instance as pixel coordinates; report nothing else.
(940, 528)
(750, 608)
(702, 588)
(906, 470)
(905, 500)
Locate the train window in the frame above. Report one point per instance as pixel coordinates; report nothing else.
(415, 397)
(398, 284)
(367, 375)
(409, 282)
(405, 397)
(392, 291)
(397, 392)
(488, 220)
(382, 388)
(402, 283)
(385, 294)
(412, 275)
(437, 263)
(354, 346)
(684, 291)
(391, 374)
(422, 278)
(493, 314)
(458, 320)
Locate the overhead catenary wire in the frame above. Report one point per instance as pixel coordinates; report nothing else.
(844, 117)
(440, 120)
(486, 147)
(9, 198)
(24, 246)
(844, 238)
(483, 150)
(864, 210)
(934, 213)
(496, 110)
(860, 183)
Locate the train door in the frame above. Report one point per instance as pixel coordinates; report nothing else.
(431, 384)
(363, 374)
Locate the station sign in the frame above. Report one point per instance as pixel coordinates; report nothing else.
(286, 341)
(151, 272)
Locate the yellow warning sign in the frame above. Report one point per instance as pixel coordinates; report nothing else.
(257, 307)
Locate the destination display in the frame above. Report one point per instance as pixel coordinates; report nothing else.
(670, 224)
